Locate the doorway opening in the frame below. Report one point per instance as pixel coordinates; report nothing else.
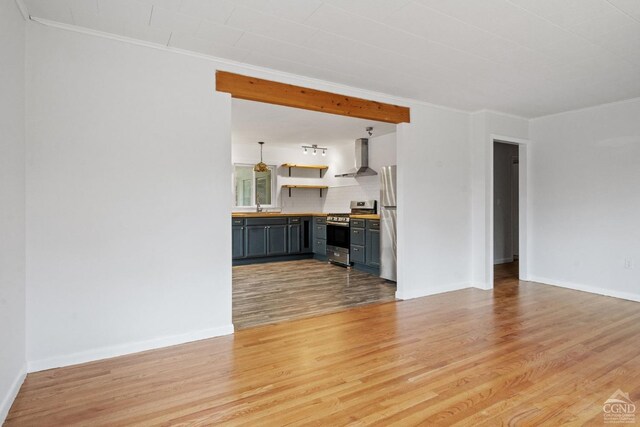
(283, 209)
(307, 231)
(506, 212)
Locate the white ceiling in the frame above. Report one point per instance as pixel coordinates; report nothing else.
(526, 57)
(276, 125)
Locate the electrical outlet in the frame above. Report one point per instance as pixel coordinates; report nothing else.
(628, 264)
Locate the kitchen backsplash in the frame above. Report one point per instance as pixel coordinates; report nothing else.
(335, 199)
(338, 198)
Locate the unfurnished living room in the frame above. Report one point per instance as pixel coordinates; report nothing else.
(319, 212)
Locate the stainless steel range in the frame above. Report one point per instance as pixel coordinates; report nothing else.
(339, 234)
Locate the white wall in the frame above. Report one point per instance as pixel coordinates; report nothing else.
(340, 157)
(504, 205)
(275, 154)
(128, 244)
(12, 211)
(586, 189)
(484, 126)
(433, 202)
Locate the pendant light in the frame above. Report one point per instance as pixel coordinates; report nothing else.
(261, 167)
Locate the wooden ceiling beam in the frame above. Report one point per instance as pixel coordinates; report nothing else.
(260, 90)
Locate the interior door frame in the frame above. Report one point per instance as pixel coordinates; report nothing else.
(515, 201)
(523, 207)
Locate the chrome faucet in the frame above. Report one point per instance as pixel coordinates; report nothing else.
(258, 207)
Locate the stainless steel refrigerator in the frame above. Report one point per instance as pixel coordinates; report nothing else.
(388, 221)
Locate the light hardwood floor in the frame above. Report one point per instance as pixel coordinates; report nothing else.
(279, 291)
(523, 354)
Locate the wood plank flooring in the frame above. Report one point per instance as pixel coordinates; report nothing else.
(523, 354)
(279, 291)
(506, 273)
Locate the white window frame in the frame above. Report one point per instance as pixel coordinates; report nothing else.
(274, 177)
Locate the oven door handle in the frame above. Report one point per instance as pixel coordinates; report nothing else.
(339, 224)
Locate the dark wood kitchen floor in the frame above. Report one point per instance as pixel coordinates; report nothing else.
(275, 292)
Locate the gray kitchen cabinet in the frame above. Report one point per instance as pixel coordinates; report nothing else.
(295, 238)
(237, 242)
(357, 223)
(357, 236)
(319, 246)
(320, 235)
(255, 242)
(373, 224)
(357, 254)
(277, 237)
(320, 220)
(373, 247)
(365, 244)
(320, 231)
(277, 240)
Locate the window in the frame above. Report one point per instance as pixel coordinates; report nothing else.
(251, 186)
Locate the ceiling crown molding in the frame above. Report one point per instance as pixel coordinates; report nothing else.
(23, 9)
(239, 67)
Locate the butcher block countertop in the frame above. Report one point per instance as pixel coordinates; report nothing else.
(365, 216)
(272, 214)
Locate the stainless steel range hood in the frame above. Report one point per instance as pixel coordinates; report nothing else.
(362, 161)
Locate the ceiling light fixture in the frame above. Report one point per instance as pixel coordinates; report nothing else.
(261, 166)
(315, 149)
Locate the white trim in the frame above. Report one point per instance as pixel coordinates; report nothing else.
(402, 295)
(286, 77)
(509, 140)
(585, 288)
(274, 188)
(481, 286)
(500, 113)
(608, 104)
(122, 349)
(23, 9)
(8, 399)
(621, 10)
(236, 66)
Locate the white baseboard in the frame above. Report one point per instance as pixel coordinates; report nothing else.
(483, 286)
(122, 349)
(405, 295)
(591, 289)
(502, 260)
(8, 399)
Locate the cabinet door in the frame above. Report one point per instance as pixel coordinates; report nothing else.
(357, 254)
(277, 240)
(357, 236)
(255, 242)
(294, 239)
(373, 248)
(320, 231)
(237, 242)
(319, 246)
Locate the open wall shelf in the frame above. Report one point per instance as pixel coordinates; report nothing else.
(320, 168)
(307, 187)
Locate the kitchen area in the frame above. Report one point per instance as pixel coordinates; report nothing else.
(313, 213)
